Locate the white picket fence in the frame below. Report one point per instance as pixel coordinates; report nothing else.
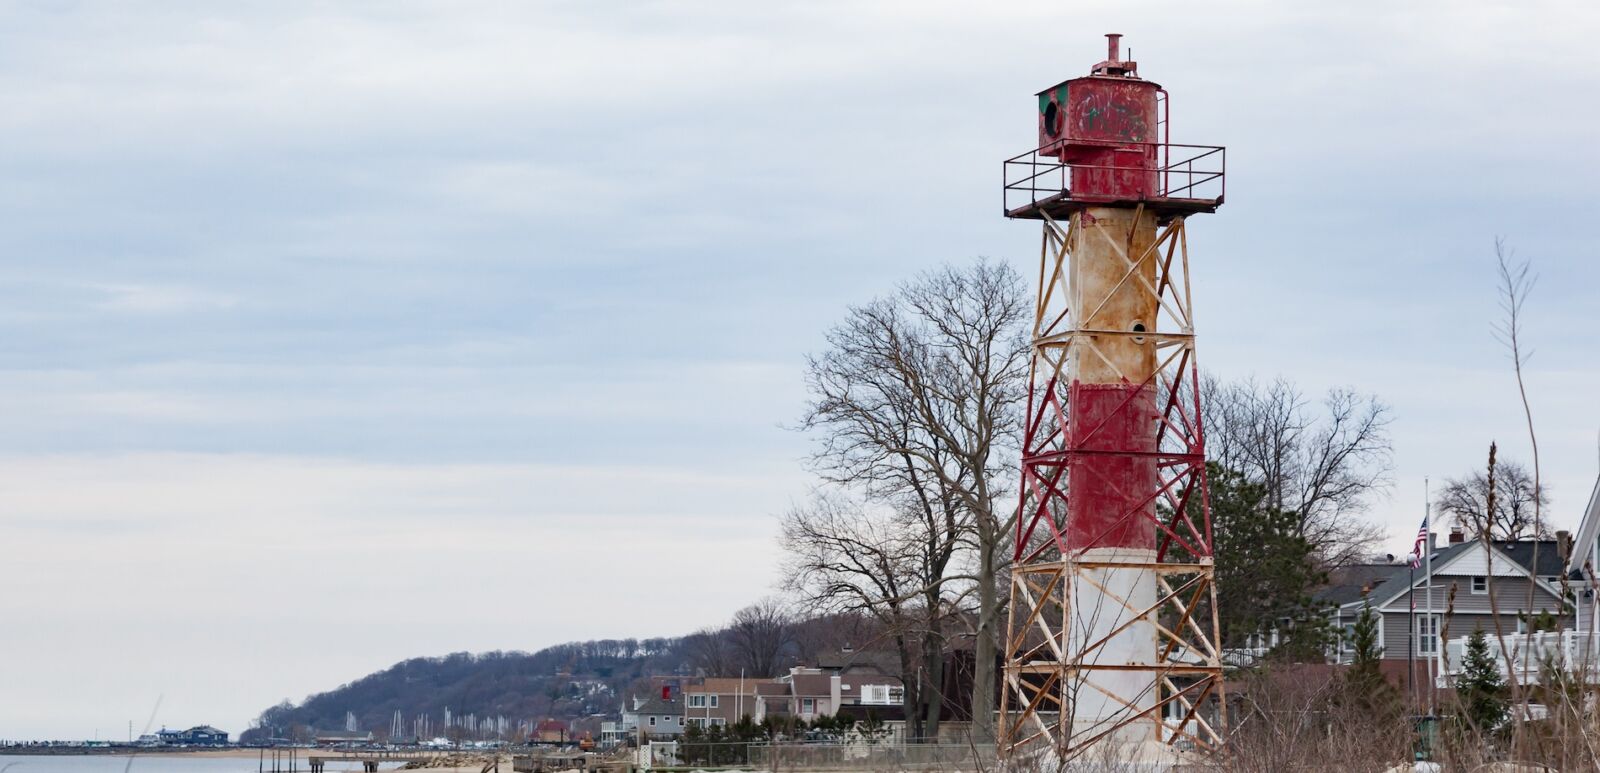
(1577, 652)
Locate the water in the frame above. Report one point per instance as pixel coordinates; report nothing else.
(150, 763)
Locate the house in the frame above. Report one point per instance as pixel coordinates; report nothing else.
(772, 700)
(332, 738)
(1584, 565)
(659, 716)
(1578, 577)
(814, 693)
(722, 700)
(199, 735)
(612, 733)
(1493, 586)
(850, 660)
(551, 731)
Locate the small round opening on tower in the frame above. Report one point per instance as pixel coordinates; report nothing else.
(1052, 122)
(1138, 327)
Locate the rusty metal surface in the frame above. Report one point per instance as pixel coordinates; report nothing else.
(1113, 515)
(1113, 466)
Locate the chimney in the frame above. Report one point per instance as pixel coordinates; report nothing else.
(1564, 545)
(666, 692)
(1457, 536)
(833, 694)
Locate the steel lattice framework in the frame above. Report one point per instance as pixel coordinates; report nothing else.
(1047, 666)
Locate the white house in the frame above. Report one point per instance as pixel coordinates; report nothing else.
(1585, 564)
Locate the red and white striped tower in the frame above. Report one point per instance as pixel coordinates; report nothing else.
(1113, 635)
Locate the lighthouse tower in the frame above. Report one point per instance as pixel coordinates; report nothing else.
(1112, 638)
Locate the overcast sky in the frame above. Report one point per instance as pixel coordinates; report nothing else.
(339, 333)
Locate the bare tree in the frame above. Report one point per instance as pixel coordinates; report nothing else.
(712, 651)
(844, 559)
(828, 634)
(917, 404)
(761, 635)
(1323, 462)
(1466, 499)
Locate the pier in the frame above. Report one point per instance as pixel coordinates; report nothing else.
(370, 759)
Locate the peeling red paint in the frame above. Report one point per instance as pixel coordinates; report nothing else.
(1112, 489)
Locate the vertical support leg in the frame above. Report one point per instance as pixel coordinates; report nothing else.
(1112, 631)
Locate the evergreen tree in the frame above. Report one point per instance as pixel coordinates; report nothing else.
(694, 750)
(1480, 688)
(872, 729)
(1364, 684)
(1265, 568)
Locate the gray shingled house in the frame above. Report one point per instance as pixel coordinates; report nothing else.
(1412, 626)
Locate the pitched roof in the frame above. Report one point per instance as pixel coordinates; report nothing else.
(1388, 581)
(655, 705)
(726, 685)
(881, 661)
(853, 682)
(811, 685)
(1347, 583)
(1550, 563)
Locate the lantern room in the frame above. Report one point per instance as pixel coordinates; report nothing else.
(1106, 126)
(1103, 141)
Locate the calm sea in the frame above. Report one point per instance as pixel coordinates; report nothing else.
(146, 763)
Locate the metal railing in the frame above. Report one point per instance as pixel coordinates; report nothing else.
(1198, 175)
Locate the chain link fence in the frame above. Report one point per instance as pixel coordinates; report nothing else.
(871, 756)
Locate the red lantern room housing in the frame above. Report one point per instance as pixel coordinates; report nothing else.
(1102, 140)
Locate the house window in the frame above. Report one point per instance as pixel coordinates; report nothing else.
(697, 701)
(1347, 642)
(1427, 634)
(1480, 585)
(713, 701)
(695, 722)
(808, 705)
(718, 721)
(875, 694)
(652, 721)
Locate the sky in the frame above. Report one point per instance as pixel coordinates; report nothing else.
(334, 334)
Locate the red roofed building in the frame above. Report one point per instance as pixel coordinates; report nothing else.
(551, 731)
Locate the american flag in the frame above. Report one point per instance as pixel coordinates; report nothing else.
(1421, 544)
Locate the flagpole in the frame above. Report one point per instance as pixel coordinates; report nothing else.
(1411, 640)
(1438, 646)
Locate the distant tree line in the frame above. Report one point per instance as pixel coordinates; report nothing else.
(566, 680)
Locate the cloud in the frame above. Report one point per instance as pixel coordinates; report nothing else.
(474, 306)
(179, 557)
(155, 299)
